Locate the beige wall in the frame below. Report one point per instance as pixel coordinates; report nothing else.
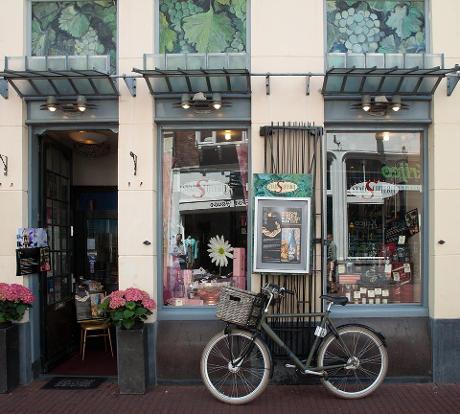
(282, 41)
(137, 198)
(13, 144)
(444, 147)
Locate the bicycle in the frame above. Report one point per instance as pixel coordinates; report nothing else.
(236, 364)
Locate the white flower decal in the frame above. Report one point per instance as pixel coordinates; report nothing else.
(219, 250)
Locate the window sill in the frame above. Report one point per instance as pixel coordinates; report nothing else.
(184, 313)
(379, 311)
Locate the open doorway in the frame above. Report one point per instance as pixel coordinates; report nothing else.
(79, 204)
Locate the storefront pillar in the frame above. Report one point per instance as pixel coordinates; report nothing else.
(137, 169)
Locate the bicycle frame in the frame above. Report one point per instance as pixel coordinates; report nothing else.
(304, 368)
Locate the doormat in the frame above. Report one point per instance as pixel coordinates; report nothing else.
(73, 383)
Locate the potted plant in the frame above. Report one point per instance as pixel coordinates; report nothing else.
(128, 309)
(14, 301)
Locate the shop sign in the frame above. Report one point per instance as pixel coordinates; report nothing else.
(282, 185)
(210, 205)
(403, 172)
(374, 188)
(204, 189)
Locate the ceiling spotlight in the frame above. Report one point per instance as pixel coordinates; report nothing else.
(81, 103)
(396, 103)
(185, 101)
(366, 103)
(217, 101)
(51, 103)
(227, 134)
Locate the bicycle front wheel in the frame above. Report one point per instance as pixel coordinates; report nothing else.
(234, 367)
(365, 359)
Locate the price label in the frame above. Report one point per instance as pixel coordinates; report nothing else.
(406, 267)
(371, 293)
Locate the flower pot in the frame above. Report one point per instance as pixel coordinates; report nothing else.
(132, 360)
(9, 357)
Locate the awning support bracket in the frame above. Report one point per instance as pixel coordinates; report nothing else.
(4, 160)
(267, 84)
(4, 88)
(308, 85)
(452, 83)
(131, 85)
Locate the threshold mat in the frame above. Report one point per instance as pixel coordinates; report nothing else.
(73, 383)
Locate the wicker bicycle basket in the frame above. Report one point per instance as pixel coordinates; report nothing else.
(240, 307)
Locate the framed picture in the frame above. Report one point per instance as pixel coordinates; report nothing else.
(282, 234)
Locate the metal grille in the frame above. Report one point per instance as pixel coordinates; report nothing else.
(296, 148)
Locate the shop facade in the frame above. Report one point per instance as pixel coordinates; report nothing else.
(188, 124)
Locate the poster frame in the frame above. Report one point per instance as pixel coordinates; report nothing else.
(305, 235)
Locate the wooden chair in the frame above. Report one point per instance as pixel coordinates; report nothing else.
(91, 326)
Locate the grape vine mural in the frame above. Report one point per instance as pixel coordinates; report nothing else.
(75, 28)
(382, 26)
(202, 26)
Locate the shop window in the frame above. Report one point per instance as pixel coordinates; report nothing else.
(74, 28)
(204, 214)
(380, 209)
(196, 26)
(383, 26)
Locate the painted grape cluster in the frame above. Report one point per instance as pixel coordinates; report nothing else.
(202, 26)
(75, 28)
(383, 26)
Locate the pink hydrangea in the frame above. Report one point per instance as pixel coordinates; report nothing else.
(134, 295)
(15, 293)
(117, 302)
(149, 304)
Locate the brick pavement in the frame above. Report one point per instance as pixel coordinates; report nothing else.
(389, 398)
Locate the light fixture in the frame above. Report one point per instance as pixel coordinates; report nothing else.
(366, 103)
(396, 103)
(185, 101)
(51, 103)
(217, 101)
(227, 135)
(382, 136)
(81, 103)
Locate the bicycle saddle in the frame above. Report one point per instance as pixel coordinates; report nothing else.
(336, 300)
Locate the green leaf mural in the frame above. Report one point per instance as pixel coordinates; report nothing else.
(73, 22)
(167, 36)
(202, 26)
(208, 32)
(75, 28)
(386, 26)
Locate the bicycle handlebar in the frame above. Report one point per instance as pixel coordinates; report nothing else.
(276, 290)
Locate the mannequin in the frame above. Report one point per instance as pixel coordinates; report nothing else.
(191, 250)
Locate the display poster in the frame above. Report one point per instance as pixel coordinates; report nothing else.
(412, 221)
(31, 237)
(282, 223)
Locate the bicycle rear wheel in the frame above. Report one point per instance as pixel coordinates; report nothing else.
(365, 357)
(234, 368)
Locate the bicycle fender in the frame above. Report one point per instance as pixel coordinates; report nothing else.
(379, 334)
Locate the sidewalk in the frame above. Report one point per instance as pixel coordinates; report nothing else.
(389, 398)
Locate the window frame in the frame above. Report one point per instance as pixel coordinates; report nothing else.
(390, 309)
(208, 312)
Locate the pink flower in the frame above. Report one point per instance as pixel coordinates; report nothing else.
(116, 302)
(117, 293)
(133, 294)
(15, 293)
(149, 304)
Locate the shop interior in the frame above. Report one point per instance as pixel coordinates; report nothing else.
(205, 211)
(78, 186)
